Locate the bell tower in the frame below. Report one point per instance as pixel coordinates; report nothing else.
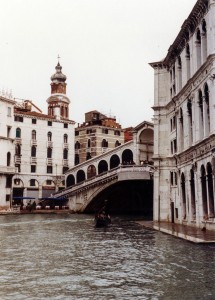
(58, 102)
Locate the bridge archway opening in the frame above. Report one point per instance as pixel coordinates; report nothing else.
(131, 197)
(114, 161)
(80, 176)
(127, 157)
(102, 166)
(91, 171)
(70, 181)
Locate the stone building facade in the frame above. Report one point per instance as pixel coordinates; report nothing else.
(184, 123)
(7, 168)
(97, 135)
(43, 145)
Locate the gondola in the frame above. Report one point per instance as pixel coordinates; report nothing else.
(102, 220)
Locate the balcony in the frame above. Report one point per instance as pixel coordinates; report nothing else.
(50, 144)
(33, 160)
(18, 141)
(17, 159)
(65, 163)
(104, 149)
(65, 146)
(49, 161)
(33, 142)
(7, 170)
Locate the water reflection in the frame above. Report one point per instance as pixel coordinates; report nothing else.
(65, 257)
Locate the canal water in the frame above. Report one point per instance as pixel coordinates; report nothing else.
(65, 257)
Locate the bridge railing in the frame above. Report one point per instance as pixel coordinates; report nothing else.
(105, 175)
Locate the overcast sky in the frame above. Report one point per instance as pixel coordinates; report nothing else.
(105, 47)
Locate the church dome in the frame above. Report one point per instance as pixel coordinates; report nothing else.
(58, 76)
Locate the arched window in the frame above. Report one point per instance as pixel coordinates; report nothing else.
(183, 196)
(190, 122)
(18, 150)
(91, 171)
(204, 41)
(102, 166)
(65, 153)
(181, 129)
(204, 192)
(33, 151)
(77, 159)
(104, 143)
(80, 176)
(192, 194)
(207, 110)
(88, 156)
(198, 48)
(210, 190)
(70, 181)
(77, 145)
(117, 143)
(65, 138)
(8, 159)
(49, 136)
(127, 157)
(114, 161)
(18, 133)
(49, 152)
(66, 112)
(179, 74)
(188, 60)
(201, 115)
(33, 135)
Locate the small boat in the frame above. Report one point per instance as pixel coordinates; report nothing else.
(102, 220)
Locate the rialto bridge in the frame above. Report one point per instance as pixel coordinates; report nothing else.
(118, 176)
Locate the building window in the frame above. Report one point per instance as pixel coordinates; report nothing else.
(49, 169)
(49, 136)
(8, 159)
(33, 151)
(88, 156)
(49, 152)
(173, 146)
(65, 125)
(65, 169)
(18, 166)
(104, 143)
(88, 143)
(77, 159)
(33, 169)
(9, 111)
(173, 123)
(18, 119)
(65, 154)
(8, 181)
(105, 130)
(34, 121)
(173, 178)
(76, 133)
(7, 198)
(8, 131)
(18, 150)
(65, 138)
(18, 133)
(88, 131)
(33, 135)
(117, 132)
(48, 182)
(32, 182)
(77, 145)
(117, 144)
(49, 123)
